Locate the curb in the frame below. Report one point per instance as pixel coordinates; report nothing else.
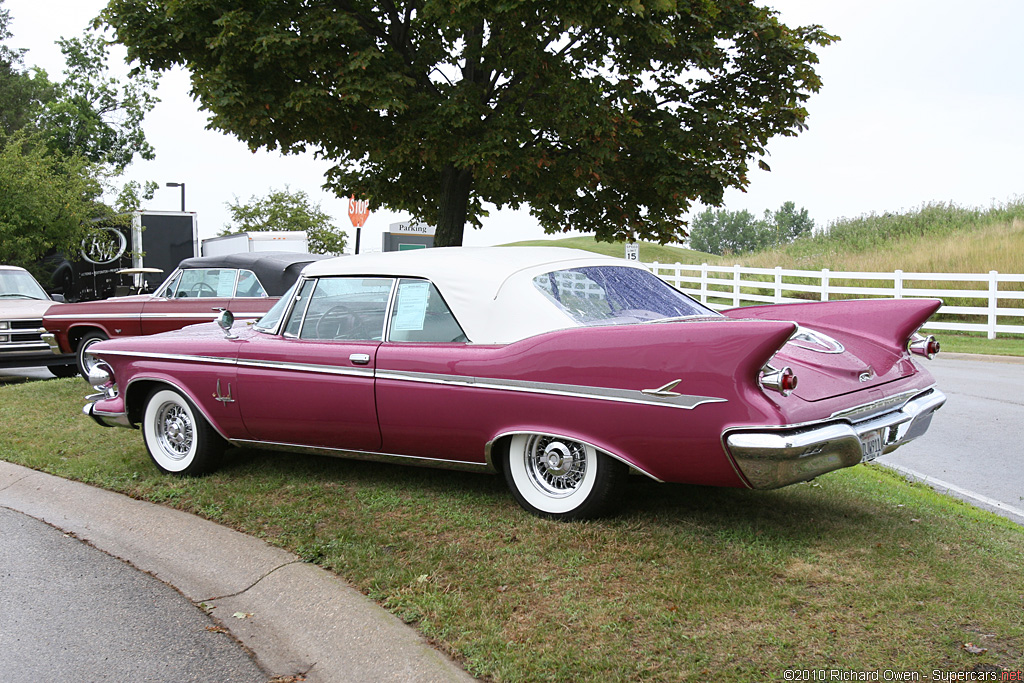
(301, 620)
(980, 357)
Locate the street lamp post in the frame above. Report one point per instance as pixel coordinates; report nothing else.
(182, 186)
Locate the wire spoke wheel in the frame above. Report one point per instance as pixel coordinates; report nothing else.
(175, 430)
(561, 478)
(177, 436)
(556, 467)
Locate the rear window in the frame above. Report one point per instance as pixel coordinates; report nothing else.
(614, 295)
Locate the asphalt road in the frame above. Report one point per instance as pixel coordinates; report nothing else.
(975, 447)
(69, 612)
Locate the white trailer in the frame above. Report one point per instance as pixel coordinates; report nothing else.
(293, 241)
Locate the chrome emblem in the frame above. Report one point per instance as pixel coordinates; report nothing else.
(812, 340)
(866, 375)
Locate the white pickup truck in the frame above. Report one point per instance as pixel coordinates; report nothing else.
(22, 305)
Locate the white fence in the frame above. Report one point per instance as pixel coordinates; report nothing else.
(976, 298)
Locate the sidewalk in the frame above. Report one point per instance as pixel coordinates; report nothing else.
(304, 620)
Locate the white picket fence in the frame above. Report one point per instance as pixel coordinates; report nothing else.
(729, 286)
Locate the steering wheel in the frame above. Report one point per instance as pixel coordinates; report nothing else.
(336, 323)
(199, 288)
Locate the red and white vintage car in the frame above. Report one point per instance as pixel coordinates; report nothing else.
(561, 369)
(246, 283)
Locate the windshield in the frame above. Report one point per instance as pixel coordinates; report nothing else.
(18, 284)
(603, 295)
(269, 322)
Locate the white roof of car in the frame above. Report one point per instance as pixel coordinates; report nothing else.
(489, 289)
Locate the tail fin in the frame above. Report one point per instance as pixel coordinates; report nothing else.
(888, 321)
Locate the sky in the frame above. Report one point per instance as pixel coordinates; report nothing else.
(923, 101)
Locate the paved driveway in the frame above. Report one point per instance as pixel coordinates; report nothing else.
(975, 447)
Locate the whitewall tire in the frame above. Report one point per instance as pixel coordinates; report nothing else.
(561, 478)
(177, 436)
(85, 361)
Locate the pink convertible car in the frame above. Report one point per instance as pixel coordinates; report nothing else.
(562, 370)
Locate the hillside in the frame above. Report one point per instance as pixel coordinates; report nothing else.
(936, 238)
(649, 251)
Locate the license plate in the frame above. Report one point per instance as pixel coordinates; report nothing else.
(871, 445)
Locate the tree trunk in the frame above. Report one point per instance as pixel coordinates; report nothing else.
(451, 213)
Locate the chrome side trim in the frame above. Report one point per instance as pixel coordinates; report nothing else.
(683, 401)
(368, 372)
(371, 456)
(148, 316)
(769, 458)
(216, 360)
(553, 389)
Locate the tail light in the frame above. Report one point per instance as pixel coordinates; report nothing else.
(923, 346)
(783, 381)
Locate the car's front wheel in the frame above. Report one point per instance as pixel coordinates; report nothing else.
(561, 478)
(177, 436)
(85, 361)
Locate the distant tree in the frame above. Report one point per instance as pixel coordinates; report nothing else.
(788, 223)
(287, 210)
(722, 232)
(606, 117)
(719, 231)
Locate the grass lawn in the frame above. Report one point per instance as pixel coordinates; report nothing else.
(1007, 345)
(859, 571)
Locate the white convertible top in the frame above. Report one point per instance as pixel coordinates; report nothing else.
(489, 289)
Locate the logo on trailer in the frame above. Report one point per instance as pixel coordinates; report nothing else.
(105, 245)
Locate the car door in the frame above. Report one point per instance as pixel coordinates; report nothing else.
(250, 300)
(312, 382)
(192, 297)
(428, 404)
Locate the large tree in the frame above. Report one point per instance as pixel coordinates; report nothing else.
(21, 92)
(48, 200)
(95, 114)
(607, 117)
(63, 146)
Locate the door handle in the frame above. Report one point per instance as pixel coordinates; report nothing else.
(360, 358)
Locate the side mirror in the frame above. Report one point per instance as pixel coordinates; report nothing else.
(59, 298)
(226, 319)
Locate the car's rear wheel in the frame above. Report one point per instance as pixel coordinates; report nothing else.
(561, 478)
(178, 438)
(85, 361)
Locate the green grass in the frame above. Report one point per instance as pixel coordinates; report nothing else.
(858, 571)
(961, 342)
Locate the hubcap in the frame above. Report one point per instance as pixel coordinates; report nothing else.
(556, 467)
(174, 430)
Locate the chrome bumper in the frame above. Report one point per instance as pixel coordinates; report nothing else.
(107, 419)
(769, 459)
(51, 340)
